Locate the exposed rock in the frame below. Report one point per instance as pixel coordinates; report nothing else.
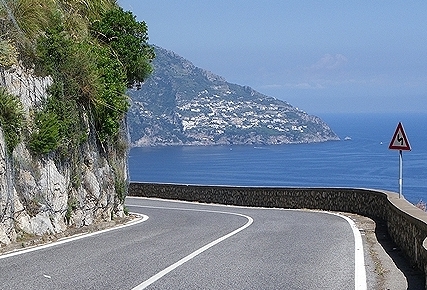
(41, 224)
(21, 82)
(38, 195)
(54, 185)
(22, 219)
(4, 238)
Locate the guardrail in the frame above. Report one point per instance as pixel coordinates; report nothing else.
(407, 225)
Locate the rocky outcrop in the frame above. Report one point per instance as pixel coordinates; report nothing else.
(43, 195)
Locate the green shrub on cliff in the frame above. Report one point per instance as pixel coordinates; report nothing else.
(8, 53)
(111, 103)
(93, 51)
(128, 40)
(11, 118)
(45, 137)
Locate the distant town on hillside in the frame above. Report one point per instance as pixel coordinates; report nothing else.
(181, 104)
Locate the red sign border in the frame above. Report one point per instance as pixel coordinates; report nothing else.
(407, 147)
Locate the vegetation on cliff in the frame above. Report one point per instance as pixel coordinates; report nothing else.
(92, 50)
(11, 118)
(65, 67)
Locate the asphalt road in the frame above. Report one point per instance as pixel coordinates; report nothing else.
(197, 246)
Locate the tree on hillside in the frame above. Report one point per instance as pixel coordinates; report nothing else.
(128, 39)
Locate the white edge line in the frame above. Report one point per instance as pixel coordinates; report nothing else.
(75, 238)
(359, 259)
(172, 267)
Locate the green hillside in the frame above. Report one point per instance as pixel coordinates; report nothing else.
(181, 104)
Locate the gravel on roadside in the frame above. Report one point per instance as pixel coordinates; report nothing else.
(387, 267)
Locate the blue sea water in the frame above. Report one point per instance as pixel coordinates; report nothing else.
(364, 161)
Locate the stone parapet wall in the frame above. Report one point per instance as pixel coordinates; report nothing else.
(407, 225)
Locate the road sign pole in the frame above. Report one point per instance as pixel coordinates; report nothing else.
(400, 142)
(400, 173)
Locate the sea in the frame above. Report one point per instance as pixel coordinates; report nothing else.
(361, 159)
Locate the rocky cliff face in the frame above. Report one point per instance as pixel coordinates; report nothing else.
(43, 195)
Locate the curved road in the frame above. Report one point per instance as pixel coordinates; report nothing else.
(197, 246)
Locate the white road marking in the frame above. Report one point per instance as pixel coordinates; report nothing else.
(359, 258)
(172, 267)
(71, 239)
(360, 272)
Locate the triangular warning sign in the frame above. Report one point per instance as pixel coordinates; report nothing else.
(399, 140)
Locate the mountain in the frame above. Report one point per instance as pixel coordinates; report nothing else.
(181, 104)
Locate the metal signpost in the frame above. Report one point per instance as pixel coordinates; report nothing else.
(400, 142)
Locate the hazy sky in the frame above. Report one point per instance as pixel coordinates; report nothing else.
(320, 56)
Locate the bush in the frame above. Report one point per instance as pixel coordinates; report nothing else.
(8, 54)
(121, 189)
(110, 104)
(71, 125)
(128, 39)
(72, 205)
(45, 137)
(11, 118)
(88, 75)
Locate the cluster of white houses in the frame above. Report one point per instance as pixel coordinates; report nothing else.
(214, 112)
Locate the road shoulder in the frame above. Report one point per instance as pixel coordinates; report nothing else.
(386, 265)
(25, 241)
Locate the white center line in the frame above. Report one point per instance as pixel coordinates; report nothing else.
(172, 267)
(359, 260)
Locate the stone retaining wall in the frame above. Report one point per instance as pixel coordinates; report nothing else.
(407, 225)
